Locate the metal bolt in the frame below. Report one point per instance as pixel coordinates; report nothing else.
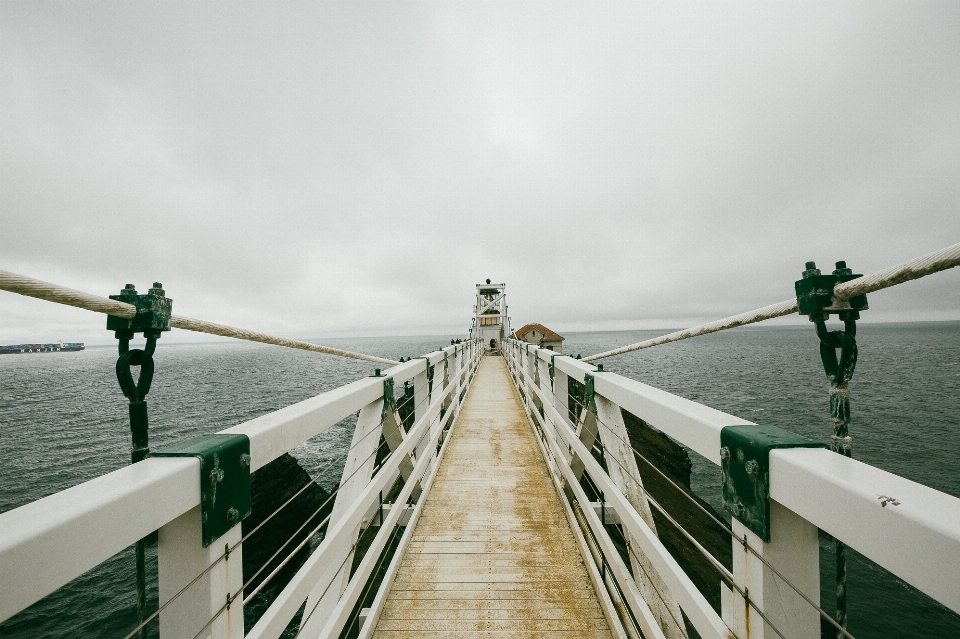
(244, 460)
(738, 509)
(752, 468)
(842, 269)
(810, 270)
(233, 516)
(157, 289)
(216, 475)
(599, 368)
(724, 453)
(129, 289)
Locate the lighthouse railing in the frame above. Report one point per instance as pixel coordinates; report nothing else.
(47, 543)
(909, 529)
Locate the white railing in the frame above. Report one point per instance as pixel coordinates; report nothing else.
(47, 543)
(917, 539)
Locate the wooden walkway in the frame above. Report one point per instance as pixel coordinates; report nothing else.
(492, 554)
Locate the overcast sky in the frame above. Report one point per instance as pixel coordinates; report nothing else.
(333, 169)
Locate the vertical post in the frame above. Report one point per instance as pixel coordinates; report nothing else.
(356, 475)
(560, 400)
(421, 395)
(622, 468)
(795, 552)
(180, 558)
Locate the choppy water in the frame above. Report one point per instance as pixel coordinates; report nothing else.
(63, 421)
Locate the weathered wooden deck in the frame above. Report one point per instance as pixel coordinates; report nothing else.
(493, 553)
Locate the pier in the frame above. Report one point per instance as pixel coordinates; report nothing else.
(491, 488)
(493, 550)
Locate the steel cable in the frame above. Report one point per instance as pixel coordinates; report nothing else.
(916, 268)
(30, 287)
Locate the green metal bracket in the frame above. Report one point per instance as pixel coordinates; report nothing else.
(553, 369)
(589, 395)
(224, 479)
(745, 464)
(815, 292)
(389, 402)
(153, 311)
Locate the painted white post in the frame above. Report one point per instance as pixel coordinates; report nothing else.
(795, 552)
(560, 388)
(356, 475)
(622, 468)
(421, 394)
(180, 558)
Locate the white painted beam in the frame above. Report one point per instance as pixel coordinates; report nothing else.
(47, 543)
(911, 530)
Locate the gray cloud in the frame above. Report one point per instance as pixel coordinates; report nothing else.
(343, 168)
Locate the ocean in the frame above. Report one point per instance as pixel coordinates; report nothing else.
(63, 420)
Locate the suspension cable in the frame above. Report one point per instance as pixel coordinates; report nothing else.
(916, 268)
(39, 289)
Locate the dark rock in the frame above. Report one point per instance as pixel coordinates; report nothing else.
(670, 458)
(271, 487)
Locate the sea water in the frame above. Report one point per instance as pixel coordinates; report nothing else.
(63, 420)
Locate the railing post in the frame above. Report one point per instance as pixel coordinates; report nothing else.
(795, 552)
(560, 400)
(180, 558)
(622, 468)
(421, 400)
(356, 475)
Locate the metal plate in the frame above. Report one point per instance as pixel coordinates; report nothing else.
(745, 463)
(224, 479)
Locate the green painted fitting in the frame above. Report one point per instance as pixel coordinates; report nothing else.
(745, 466)
(224, 480)
(153, 312)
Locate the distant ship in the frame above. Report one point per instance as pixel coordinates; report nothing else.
(16, 349)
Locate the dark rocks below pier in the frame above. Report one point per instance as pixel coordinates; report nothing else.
(271, 487)
(666, 455)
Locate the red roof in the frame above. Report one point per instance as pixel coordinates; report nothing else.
(546, 332)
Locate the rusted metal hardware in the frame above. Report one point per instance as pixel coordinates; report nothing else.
(224, 480)
(153, 312)
(745, 464)
(815, 297)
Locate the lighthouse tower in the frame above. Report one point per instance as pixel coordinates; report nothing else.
(490, 321)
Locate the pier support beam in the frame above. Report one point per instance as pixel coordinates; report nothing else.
(795, 552)
(356, 475)
(622, 468)
(180, 558)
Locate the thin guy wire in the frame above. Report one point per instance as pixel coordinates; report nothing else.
(285, 561)
(224, 556)
(249, 534)
(303, 621)
(300, 545)
(724, 525)
(651, 581)
(240, 591)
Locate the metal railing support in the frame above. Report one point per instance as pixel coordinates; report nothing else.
(795, 551)
(622, 467)
(180, 558)
(356, 475)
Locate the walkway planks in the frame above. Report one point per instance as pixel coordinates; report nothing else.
(492, 554)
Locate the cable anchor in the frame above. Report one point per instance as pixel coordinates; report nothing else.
(152, 319)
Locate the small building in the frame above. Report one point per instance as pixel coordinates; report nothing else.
(541, 336)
